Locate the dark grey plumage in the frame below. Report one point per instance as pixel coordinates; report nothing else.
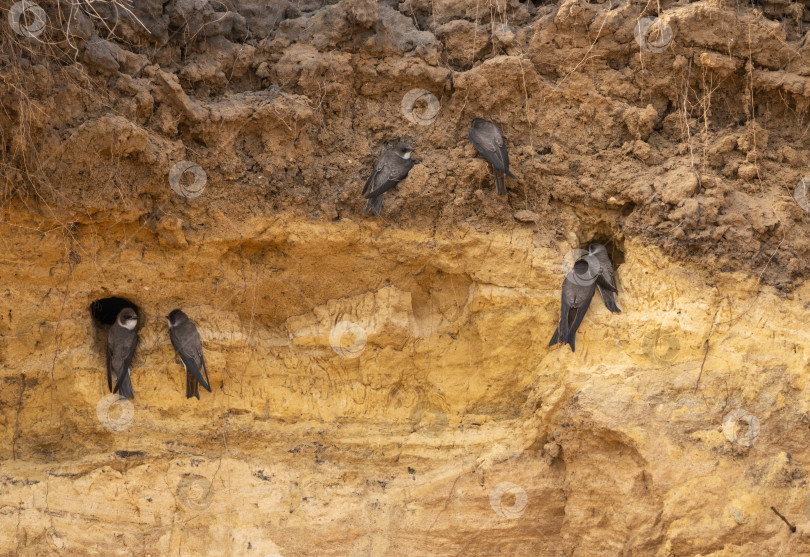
(605, 282)
(186, 342)
(392, 168)
(577, 292)
(122, 339)
(489, 141)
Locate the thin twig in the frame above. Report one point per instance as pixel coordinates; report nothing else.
(792, 527)
(706, 353)
(706, 346)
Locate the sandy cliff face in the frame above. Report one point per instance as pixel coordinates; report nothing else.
(384, 386)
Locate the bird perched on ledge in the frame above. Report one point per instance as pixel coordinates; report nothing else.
(392, 168)
(577, 292)
(122, 339)
(186, 342)
(605, 281)
(591, 271)
(488, 139)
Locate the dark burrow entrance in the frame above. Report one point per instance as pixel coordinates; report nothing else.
(105, 310)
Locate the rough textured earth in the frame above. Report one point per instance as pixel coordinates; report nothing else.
(384, 386)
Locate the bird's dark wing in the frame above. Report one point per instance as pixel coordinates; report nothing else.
(120, 350)
(370, 180)
(500, 188)
(124, 386)
(121, 345)
(605, 282)
(186, 341)
(609, 298)
(394, 170)
(491, 146)
(374, 204)
(503, 155)
(561, 334)
(580, 298)
(200, 373)
(605, 278)
(128, 350)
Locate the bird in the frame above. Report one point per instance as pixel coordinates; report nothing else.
(186, 342)
(578, 289)
(122, 339)
(488, 139)
(392, 168)
(605, 280)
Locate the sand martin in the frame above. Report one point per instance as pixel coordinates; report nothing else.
(605, 281)
(122, 340)
(488, 139)
(577, 292)
(392, 168)
(186, 341)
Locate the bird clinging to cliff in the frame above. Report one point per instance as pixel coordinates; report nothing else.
(392, 168)
(577, 292)
(122, 339)
(605, 281)
(186, 341)
(488, 139)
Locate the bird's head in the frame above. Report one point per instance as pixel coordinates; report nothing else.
(128, 318)
(593, 249)
(403, 150)
(175, 317)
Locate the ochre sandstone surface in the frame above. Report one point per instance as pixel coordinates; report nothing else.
(385, 386)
